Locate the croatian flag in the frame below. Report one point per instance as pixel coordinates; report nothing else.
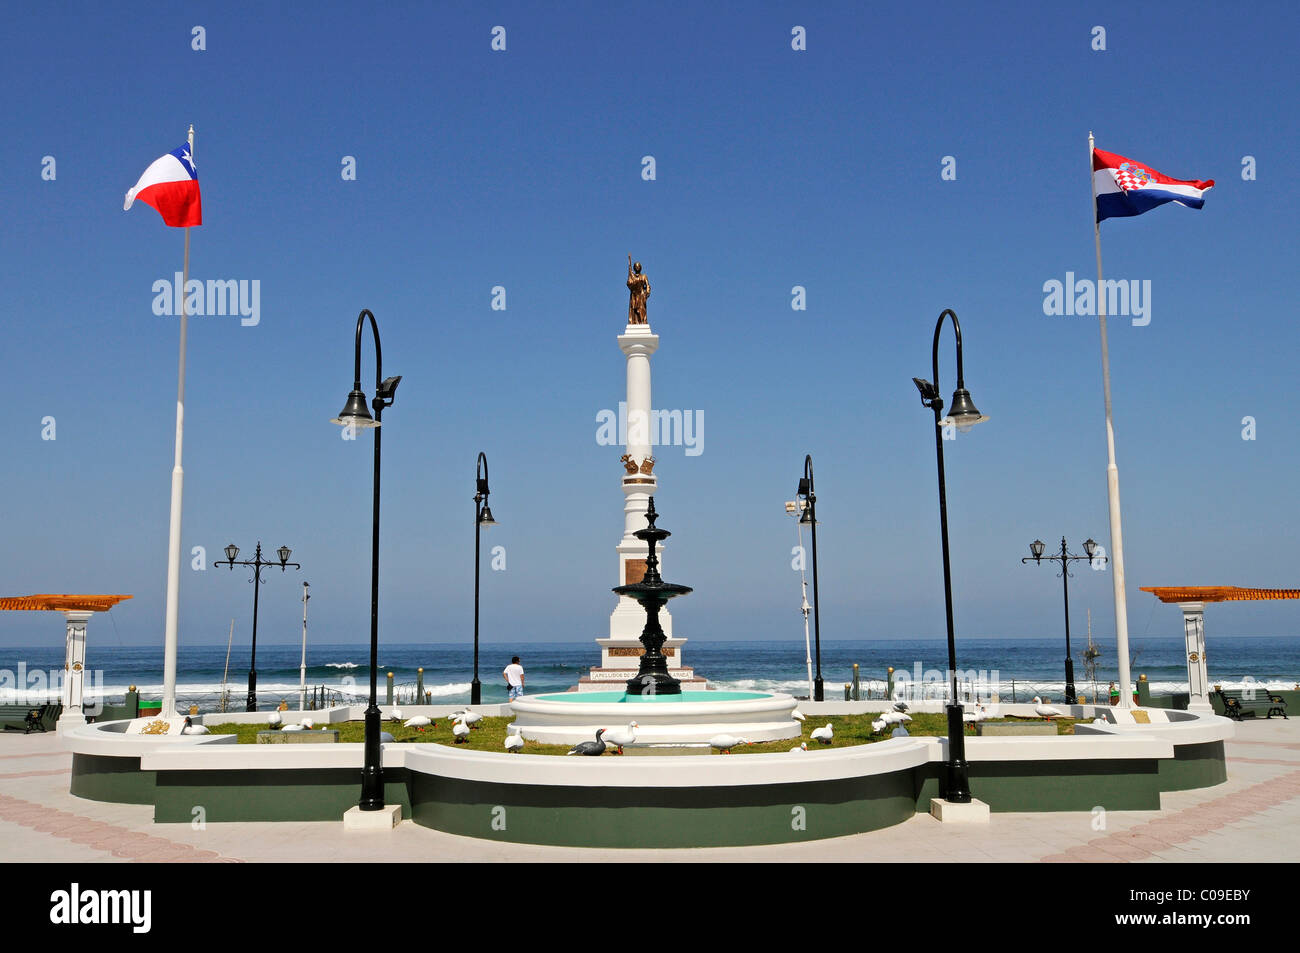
(1125, 187)
(171, 185)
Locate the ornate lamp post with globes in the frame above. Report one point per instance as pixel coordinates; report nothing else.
(257, 564)
(1065, 558)
(963, 416)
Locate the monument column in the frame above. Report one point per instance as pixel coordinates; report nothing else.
(621, 651)
(1198, 681)
(74, 664)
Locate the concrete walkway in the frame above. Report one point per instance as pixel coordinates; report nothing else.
(1254, 816)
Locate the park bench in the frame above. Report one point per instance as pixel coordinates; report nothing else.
(1238, 703)
(29, 718)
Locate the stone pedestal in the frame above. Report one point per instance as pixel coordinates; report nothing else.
(976, 812)
(385, 819)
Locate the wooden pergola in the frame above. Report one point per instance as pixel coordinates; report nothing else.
(1192, 599)
(77, 610)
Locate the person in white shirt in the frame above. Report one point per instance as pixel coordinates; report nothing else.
(514, 674)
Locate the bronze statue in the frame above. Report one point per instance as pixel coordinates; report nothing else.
(639, 286)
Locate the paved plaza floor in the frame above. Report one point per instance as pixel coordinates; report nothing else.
(1253, 816)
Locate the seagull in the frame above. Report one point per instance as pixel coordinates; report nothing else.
(1047, 711)
(419, 722)
(460, 731)
(824, 735)
(594, 748)
(803, 746)
(878, 726)
(470, 718)
(725, 743)
(797, 715)
(274, 719)
(193, 729)
(620, 737)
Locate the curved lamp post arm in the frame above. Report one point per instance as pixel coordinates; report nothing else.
(379, 353)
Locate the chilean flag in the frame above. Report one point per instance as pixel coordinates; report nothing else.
(1125, 187)
(171, 185)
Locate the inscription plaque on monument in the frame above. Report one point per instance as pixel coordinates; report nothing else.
(634, 569)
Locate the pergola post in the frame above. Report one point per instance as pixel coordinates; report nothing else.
(1198, 679)
(74, 665)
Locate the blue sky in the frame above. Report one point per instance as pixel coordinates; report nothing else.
(774, 168)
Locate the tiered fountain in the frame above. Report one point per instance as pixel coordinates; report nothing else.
(665, 715)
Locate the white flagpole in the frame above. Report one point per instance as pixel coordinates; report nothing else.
(1112, 471)
(302, 667)
(178, 487)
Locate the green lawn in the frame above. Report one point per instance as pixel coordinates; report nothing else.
(490, 733)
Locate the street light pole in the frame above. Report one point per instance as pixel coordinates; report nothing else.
(1065, 558)
(257, 564)
(355, 415)
(963, 416)
(482, 518)
(302, 665)
(808, 492)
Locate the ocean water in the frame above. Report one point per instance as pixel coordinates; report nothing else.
(1023, 667)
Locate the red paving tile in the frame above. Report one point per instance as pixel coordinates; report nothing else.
(98, 835)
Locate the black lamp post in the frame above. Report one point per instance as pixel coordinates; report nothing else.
(355, 414)
(807, 491)
(963, 416)
(257, 563)
(482, 518)
(1065, 558)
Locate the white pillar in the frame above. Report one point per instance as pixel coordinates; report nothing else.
(1198, 679)
(74, 664)
(637, 343)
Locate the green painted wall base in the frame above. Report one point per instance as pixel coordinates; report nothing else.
(289, 795)
(662, 817)
(116, 780)
(646, 817)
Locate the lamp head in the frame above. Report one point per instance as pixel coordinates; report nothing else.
(284, 552)
(355, 413)
(485, 518)
(1036, 549)
(231, 552)
(963, 412)
(1089, 547)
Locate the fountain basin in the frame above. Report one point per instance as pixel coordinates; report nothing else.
(688, 718)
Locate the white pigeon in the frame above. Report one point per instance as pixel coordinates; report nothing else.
(396, 714)
(460, 731)
(274, 719)
(878, 726)
(900, 706)
(824, 735)
(725, 743)
(308, 723)
(802, 746)
(292, 728)
(620, 737)
(1046, 711)
(385, 738)
(797, 715)
(514, 743)
(419, 722)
